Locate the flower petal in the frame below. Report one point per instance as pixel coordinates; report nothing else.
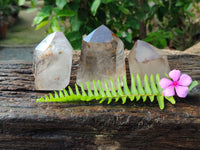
(164, 83)
(185, 80)
(169, 91)
(175, 74)
(181, 91)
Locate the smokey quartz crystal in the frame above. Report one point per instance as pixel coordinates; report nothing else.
(147, 59)
(102, 57)
(52, 62)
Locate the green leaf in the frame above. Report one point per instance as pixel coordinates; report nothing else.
(43, 14)
(74, 35)
(70, 91)
(61, 3)
(113, 91)
(51, 96)
(153, 86)
(133, 88)
(61, 94)
(160, 99)
(65, 92)
(188, 6)
(107, 88)
(33, 2)
(160, 90)
(163, 43)
(107, 1)
(192, 85)
(72, 95)
(102, 100)
(65, 13)
(40, 100)
(108, 92)
(77, 90)
(39, 19)
(75, 23)
(54, 26)
(95, 6)
(140, 88)
(167, 76)
(56, 94)
(119, 91)
(129, 37)
(21, 2)
(126, 89)
(47, 98)
(96, 93)
(82, 90)
(171, 99)
(133, 23)
(124, 10)
(42, 24)
(147, 88)
(179, 3)
(158, 38)
(101, 91)
(90, 94)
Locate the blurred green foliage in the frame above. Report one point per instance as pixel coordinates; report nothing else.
(160, 22)
(8, 7)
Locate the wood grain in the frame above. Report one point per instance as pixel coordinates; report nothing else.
(25, 124)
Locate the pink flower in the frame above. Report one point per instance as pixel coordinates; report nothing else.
(178, 82)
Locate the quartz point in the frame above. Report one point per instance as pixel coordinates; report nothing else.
(102, 57)
(147, 59)
(52, 62)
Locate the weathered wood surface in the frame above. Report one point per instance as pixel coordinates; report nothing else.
(25, 124)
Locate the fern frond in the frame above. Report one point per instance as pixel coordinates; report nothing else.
(150, 90)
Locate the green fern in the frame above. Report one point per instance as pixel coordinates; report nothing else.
(150, 90)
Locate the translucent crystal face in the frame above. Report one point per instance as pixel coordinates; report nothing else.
(45, 42)
(52, 62)
(100, 35)
(144, 52)
(147, 59)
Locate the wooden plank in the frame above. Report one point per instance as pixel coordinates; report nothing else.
(25, 124)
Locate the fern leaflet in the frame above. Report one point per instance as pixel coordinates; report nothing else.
(150, 90)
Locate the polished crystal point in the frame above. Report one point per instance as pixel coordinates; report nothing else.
(102, 57)
(52, 62)
(100, 35)
(145, 52)
(147, 59)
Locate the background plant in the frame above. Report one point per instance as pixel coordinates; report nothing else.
(8, 8)
(160, 22)
(181, 19)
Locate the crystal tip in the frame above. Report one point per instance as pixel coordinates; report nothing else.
(102, 34)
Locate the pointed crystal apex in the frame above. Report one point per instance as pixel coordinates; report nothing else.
(145, 52)
(43, 45)
(147, 59)
(52, 62)
(100, 35)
